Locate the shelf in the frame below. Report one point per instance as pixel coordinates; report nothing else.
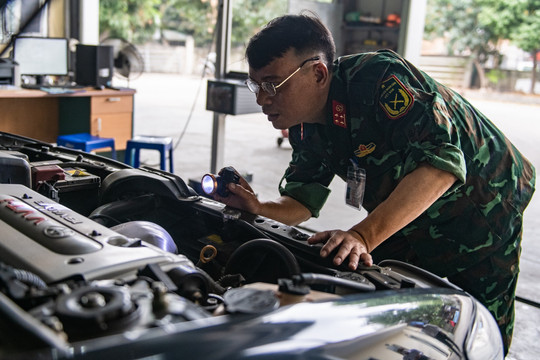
(370, 27)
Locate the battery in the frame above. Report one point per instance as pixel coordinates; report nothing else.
(72, 187)
(76, 179)
(79, 190)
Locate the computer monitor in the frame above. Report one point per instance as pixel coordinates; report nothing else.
(41, 56)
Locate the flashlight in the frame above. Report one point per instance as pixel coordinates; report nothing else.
(212, 184)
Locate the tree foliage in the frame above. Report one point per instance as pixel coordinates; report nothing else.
(527, 33)
(250, 15)
(133, 20)
(459, 22)
(197, 18)
(139, 20)
(476, 27)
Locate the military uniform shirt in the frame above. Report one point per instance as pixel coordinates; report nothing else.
(388, 117)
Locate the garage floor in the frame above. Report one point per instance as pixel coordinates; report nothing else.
(162, 107)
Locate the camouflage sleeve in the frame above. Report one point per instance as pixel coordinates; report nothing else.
(312, 195)
(307, 178)
(418, 124)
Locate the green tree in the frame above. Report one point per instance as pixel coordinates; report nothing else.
(479, 26)
(134, 20)
(250, 15)
(518, 21)
(138, 20)
(459, 22)
(195, 18)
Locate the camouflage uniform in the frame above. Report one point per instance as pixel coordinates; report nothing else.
(388, 117)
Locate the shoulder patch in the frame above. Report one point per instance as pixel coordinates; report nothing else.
(395, 99)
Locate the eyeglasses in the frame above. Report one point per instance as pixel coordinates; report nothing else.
(271, 88)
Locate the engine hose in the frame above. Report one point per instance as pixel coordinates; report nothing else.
(262, 260)
(29, 278)
(119, 210)
(24, 276)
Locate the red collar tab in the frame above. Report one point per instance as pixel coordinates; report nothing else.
(339, 114)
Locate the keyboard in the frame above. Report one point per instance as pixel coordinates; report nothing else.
(39, 87)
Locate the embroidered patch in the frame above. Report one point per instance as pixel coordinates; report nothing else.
(364, 150)
(396, 99)
(339, 112)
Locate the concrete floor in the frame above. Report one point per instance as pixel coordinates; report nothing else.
(163, 106)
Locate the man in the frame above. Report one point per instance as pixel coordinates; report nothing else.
(443, 187)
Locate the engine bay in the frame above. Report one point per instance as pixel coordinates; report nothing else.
(91, 246)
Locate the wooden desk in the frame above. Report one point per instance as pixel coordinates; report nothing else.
(43, 116)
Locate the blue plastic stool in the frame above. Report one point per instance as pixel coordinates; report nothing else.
(163, 144)
(86, 142)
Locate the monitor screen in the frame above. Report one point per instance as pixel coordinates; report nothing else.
(41, 56)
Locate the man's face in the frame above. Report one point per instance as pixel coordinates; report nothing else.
(297, 100)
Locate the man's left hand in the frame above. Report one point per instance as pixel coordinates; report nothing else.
(350, 244)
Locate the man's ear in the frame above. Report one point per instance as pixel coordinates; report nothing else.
(321, 73)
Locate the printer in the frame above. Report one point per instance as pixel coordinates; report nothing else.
(9, 72)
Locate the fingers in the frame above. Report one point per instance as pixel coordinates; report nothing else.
(242, 181)
(236, 196)
(244, 184)
(240, 190)
(241, 198)
(347, 245)
(366, 259)
(319, 237)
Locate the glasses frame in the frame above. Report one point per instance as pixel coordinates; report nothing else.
(271, 88)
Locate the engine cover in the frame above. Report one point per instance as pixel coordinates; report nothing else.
(55, 243)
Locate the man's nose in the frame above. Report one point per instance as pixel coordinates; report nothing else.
(263, 97)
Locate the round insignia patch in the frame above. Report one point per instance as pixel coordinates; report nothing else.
(364, 150)
(395, 99)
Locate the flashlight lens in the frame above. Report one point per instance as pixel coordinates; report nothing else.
(209, 184)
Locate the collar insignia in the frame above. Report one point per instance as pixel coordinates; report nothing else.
(339, 114)
(364, 150)
(395, 99)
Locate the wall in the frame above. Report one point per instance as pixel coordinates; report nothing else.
(168, 59)
(453, 71)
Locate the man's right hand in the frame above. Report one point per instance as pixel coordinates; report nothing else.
(284, 209)
(241, 196)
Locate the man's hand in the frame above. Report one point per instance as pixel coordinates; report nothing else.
(284, 209)
(241, 196)
(350, 243)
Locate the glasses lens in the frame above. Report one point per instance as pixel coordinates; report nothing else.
(252, 86)
(269, 88)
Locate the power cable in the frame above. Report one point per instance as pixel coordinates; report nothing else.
(528, 302)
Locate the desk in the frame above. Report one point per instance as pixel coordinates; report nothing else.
(43, 116)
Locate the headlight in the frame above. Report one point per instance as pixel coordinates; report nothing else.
(484, 341)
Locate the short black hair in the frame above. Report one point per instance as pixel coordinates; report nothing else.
(305, 33)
